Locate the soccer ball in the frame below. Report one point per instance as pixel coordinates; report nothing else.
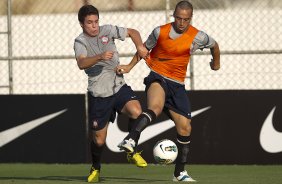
(165, 151)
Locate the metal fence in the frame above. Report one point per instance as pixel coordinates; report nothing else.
(36, 55)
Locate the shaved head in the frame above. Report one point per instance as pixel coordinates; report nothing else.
(184, 5)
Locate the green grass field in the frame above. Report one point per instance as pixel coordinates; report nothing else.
(125, 173)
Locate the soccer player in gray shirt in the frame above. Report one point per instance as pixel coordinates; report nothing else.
(97, 55)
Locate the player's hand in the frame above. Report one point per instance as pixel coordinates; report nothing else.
(214, 66)
(143, 52)
(121, 69)
(107, 55)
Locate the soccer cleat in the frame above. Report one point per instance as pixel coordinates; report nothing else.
(183, 177)
(127, 145)
(136, 159)
(94, 175)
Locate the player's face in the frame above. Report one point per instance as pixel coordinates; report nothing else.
(182, 19)
(91, 25)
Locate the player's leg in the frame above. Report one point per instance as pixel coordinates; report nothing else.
(128, 103)
(135, 157)
(155, 91)
(133, 109)
(100, 113)
(180, 112)
(156, 98)
(130, 126)
(183, 128)
(97, 147)
(155, 101)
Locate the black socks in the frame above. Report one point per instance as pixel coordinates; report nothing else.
(96, 153)
(182, 157)
(140, 124)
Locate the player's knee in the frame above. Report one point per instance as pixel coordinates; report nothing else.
(135, 112)
(99, 142)
(156, 109)
(185, 130)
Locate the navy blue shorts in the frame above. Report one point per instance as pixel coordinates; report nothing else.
(176, 98)
(103, 110)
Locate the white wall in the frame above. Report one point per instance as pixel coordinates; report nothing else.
(234, 30)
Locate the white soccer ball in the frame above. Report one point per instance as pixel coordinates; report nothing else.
(165, 151)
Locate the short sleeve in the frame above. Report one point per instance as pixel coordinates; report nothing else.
(153, 38)
(119, 32)
(202, 40)
(79, 48)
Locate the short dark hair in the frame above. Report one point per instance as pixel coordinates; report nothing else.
(85, 11)
(184, 5)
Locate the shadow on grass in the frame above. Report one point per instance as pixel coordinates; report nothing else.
(126, 179)
(84, 179)
(51, 178)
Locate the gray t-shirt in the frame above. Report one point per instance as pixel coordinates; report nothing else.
(201, 41)
(102, 78)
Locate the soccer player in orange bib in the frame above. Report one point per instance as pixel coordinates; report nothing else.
(171, 46)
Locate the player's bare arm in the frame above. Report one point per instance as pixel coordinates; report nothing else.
(215, 61)
(121, 69)
(85, 62)
(136, 38)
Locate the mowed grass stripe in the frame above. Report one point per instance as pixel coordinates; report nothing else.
(126, 173)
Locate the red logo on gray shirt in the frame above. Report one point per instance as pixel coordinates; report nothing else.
(104, 39)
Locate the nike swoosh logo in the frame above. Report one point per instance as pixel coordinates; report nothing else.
(11, 134)
(270, 139)
(161, 146)
(115, 135)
